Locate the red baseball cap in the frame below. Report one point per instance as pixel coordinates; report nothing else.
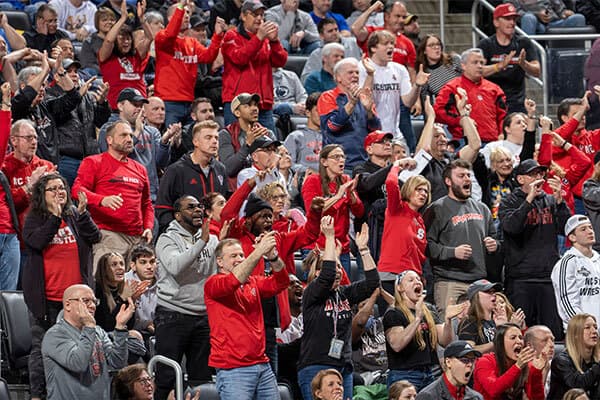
(376, 137)
(505, 10)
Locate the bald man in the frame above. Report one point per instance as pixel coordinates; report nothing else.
(78, 354)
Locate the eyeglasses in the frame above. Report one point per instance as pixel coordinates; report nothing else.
(466, 360)
(147, 381)
(193, 206)
(55, 189)
(86, 301)
(434, 45)
(384, 142)
(537, 173)
(28, 138)
(337, 157)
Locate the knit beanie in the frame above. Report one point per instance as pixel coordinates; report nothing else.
(255, 204)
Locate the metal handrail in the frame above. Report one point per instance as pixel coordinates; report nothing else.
(543, 82)
(178, 372)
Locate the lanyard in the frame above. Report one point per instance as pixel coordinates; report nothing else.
(335, 314)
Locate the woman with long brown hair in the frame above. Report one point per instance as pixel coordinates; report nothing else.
(413, 330)
(513, 371)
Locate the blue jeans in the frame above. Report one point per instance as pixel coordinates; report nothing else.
(9, 261)
(68, 167)
(177, 111)
(418, 377)
(247, 383)
(306, 375)
(531, 25)
(282, 109)
(265, 117)
(345, 261)
(406, 127)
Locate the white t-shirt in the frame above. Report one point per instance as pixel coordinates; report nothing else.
(515, 150)
(389, 84)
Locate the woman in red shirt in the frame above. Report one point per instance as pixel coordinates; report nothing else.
(213, 204)
(403, 240)
(121, 63)
(340, 196)
(513, 370)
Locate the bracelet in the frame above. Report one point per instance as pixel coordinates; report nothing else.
(564, 144)
(465, 115)
(496, 68)
(364, 252)
(6, 104)
(61, 74)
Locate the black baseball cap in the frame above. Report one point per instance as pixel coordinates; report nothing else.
(262, 142)
(460, 348)
(132, 95)
(252, 5)
(482, 285)
(528, 166)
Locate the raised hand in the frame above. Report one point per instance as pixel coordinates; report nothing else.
(85, 317)
(525, 356)
(429, 111)
(406, 163)
(317, 204)
(362, 237)
(518, 318)
(265, 243)
(220, 26)
(140, 9)
(597, 90)
(82, 202)
(555, 183)
(327, 227)
(461, 102)
(453, 310)
(422, 77)
(125, 313)
(530, 107)
(224, 233)
(83, 89)
(366, 98)
(369, 65)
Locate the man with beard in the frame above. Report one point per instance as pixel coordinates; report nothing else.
(149, 148)
(531, 221)
(197, 173)
(259, 220)
(460, 233)
(118, 192)
(184, 254)
(459, 362)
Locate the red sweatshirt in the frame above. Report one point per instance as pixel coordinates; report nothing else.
(287, 242)
(492, 387)
(340, 211)
(235, 317)
(177, 59)
(103, 175)
(18, 173)
(6, 224)
(575, 172)
(404, 49)
(404, 240)
(586, 141)
(249, 64)
(488, 107)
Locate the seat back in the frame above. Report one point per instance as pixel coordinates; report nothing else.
(18, 20)
(208, 391)
(4, 392)
(14, 318)
(296, 64)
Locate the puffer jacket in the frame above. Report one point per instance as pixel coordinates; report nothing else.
(439, 391)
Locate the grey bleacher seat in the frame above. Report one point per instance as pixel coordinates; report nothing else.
(16, 332)
(18, 20)
(417, 125)
(4, 392)
(296, 64)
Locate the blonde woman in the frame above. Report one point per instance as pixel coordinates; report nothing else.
(413, 330)
(578, 365)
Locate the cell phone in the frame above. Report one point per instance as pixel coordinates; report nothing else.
(424, 292)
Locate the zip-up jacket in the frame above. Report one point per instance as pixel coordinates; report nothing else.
(184, 177)
(591, 201)
(564, 376)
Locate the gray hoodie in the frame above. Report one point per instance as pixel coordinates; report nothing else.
(77, 362)
(184, 264)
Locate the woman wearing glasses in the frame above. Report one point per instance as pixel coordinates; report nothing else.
(135, 383)
(58, 239)
(340, 196)
(513, 371)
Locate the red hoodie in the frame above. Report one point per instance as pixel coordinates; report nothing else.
(575, 171)
(177, 59)
(586, 141)
(6, 223)
(488, 107)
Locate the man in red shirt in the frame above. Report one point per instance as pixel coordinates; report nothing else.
(487, 100)
(118, 192)
(233, 304)
(22, 167)
(177, 59)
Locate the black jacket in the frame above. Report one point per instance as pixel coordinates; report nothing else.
(185, 177)
(564, 376)
(439, 391)
(38, 232)
(530, 244)
(47, 115)
(77, 134)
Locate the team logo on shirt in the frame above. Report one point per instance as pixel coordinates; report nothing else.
(583, 271)
(220, 178)
(420, 233)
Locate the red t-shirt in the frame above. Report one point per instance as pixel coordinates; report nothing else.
(6, 224)
(404, 50)
(61, 263)
(121, 73)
